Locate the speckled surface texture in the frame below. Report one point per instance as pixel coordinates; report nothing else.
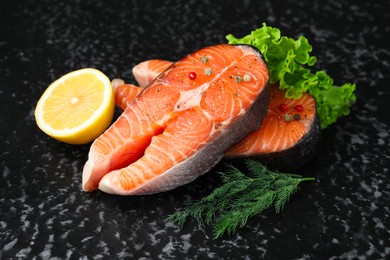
(44, 214)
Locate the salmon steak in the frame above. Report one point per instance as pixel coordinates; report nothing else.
(288, 137)
(180, 125)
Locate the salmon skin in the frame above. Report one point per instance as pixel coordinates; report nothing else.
(181, 124)
(288, 138)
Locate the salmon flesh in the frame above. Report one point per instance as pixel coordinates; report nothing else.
(180, 125)
(288, 138)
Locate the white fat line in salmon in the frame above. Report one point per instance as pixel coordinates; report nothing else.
(193, 97)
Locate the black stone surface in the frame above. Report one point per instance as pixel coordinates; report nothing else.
(44, 214)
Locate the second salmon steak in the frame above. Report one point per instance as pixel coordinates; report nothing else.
(181, 124)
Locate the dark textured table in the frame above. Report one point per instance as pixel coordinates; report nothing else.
(44, 213)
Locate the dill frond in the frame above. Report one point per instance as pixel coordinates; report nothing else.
(240, 197)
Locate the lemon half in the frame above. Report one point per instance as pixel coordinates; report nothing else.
(77, 107)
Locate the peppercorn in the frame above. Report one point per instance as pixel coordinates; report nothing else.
(299, 108)
(297, 117)
(283, 107)
(192, 75)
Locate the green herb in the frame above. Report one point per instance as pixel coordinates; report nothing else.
(287, 60)
(240, 197)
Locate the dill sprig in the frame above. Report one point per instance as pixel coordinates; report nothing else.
(240, 197)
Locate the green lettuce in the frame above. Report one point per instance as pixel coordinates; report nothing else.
(288, 61)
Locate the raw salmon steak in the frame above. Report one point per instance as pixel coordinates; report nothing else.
(181, 124)
(287, 139)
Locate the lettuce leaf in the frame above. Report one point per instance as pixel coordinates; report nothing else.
(288, 61)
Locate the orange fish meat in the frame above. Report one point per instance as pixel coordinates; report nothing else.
(145, 72)
(288, 138)
(181, 124)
